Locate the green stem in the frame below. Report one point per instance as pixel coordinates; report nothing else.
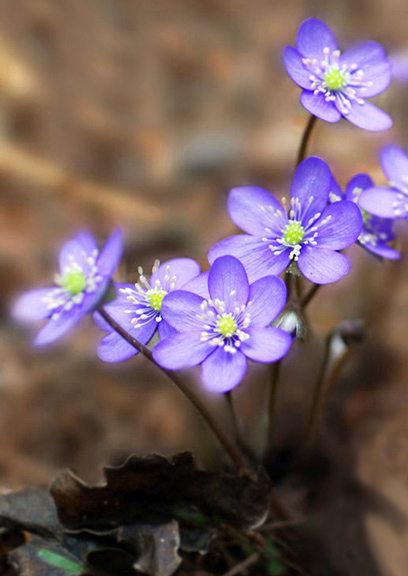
(197, 403)
(305, 139)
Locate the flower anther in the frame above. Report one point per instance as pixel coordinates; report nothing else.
(224, 329)
(82, 284)
(138, 307)
(75, 284)
(336, 83)
(146, 298)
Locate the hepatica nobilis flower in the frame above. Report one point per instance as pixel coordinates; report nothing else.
(377, 233)
(336, 84)
(137, 307)
(221, 332)
(307, 231)
(82, 283)
(389, 202)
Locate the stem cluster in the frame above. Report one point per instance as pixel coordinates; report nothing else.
(237, 449)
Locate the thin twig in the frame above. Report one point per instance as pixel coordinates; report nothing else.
(281, 512)
(243, 565)
(281, 524)
(305, 139)
(197, 403)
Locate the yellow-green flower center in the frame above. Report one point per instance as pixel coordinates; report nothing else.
(227, 326)
(293, 233)
(335, 79)
(74, 281)
(366, 216)
(155, 298)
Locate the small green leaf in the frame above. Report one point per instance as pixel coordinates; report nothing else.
(275, 567)
(189, 514)
(59, 561)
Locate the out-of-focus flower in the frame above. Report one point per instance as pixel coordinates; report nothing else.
(336, 84)
(221, 332)
(389, 202)
(399, 62)
(308, 231)
(377, 233)
(137, 308)
(82, 283)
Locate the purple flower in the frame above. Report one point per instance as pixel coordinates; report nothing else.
(83, 281)
(389, 202)
(335, 84)
(399, 63)
(309, 234)
(137, 307)
(221, 332)
(377, 232)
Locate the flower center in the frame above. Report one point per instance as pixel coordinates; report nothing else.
(293, 233)
(366, 216)
(224, 329)
(146, 298)
(74, 281)
(356, 194)
(335, 79)
(226, 325)
(155, 297)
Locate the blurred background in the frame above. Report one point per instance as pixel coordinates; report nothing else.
(143, 114)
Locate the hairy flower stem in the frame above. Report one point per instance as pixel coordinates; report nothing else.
(273, 390)
(298, 288)
(318, 399)
(324, 386)
(310, 295)
(197, 403)
(245, 449)
(289, 284)
(305, 139)
(290, 280)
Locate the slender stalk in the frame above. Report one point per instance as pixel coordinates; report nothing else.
(298, 288)
(272, 400)
(197, 403)
(318, 396)
(336, 371)
(310, 295)
(289, 284)
(245, 449)
(234, 419)
(305, 139)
